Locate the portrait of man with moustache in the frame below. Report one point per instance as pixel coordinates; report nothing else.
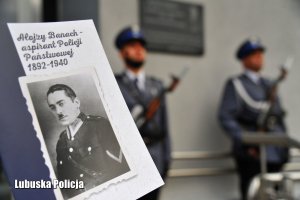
(87, 149)
(78, 134)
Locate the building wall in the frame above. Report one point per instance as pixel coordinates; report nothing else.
(193, 106)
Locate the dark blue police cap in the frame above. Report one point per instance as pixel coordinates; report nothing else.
(248, 47)
(132, 33)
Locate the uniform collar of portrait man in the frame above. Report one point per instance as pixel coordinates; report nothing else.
(253, 76)
(75, 126)
(140, 76)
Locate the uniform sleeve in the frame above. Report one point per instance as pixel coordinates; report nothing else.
(112, 147)
(227, 113)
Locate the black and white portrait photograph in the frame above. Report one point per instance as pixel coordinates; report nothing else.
(75, 128)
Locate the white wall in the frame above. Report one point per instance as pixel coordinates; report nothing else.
(193, 107)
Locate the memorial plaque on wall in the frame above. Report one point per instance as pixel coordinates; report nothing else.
(172, 27)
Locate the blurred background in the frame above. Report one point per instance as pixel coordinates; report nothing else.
(204, 36)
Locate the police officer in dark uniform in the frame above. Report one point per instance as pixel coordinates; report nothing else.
(244, 100)
(87, 150)
(138, 90)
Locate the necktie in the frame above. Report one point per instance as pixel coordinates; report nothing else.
(136, 83)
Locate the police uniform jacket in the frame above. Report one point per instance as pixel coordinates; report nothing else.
(92, 156)
(236, 116)
(155, 133)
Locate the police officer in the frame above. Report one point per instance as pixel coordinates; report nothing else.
(87, 150)
(138, 90)
(244, 100)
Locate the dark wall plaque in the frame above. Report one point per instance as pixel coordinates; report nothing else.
(173, 27)
(69, 10)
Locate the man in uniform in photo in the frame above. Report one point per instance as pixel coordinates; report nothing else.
(139, 90)
(241, 109)
(87, 150)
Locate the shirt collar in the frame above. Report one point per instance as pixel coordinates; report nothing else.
(141, 76)
(253, 76)
(71, 131)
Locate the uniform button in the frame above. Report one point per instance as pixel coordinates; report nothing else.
(71, 150)
(60, 162)
(88, 117)
(89, 150)
(81, 175)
